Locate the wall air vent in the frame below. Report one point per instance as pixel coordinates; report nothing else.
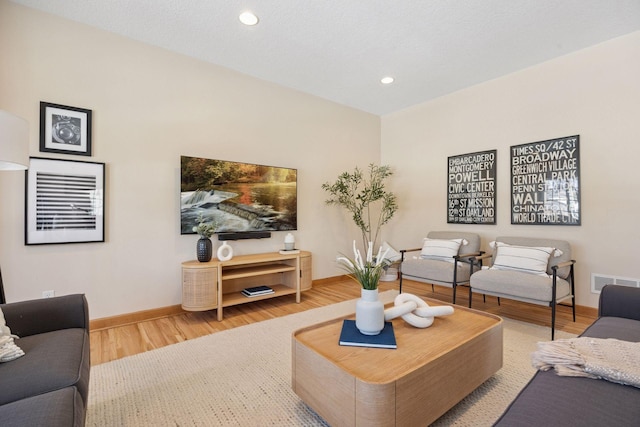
(598, 281)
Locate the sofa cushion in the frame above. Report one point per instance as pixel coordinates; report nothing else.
(472, 240)
(52, 361)
(63, 408)
(619, 301)
(527, 287)
(47, 314)
(431, 269)
(614, 327)
(525, 259)
(563, 246)
(550, 399)
(440, 249)
(570, 401)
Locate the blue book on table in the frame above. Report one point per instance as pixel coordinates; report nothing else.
(351, 336)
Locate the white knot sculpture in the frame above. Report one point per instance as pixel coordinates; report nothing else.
(415, 311)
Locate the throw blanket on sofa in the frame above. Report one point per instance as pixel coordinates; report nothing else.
(609, 359)
(8, 349)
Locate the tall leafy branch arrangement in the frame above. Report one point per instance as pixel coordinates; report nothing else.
(366, 198)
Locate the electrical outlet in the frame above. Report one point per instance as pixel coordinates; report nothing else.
(48, 294)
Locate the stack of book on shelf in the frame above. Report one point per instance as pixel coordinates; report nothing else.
(257, 291)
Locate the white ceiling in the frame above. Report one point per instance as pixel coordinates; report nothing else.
(339, 49)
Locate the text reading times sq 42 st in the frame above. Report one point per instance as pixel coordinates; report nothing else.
(545, 182)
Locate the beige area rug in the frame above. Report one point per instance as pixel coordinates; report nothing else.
(242, 377)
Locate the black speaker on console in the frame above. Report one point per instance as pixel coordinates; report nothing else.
(244, 235)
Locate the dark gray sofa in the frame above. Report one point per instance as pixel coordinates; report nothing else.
(49, 385)
(551, 400)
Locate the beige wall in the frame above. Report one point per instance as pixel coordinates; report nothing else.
(594, 93)
(149, 107)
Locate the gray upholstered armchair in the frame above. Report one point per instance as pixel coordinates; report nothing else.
(444, 259)
(532, 270)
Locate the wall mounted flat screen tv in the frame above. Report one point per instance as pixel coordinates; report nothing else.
(239, 197)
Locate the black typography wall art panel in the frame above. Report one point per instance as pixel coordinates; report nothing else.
(545, 182)
(471, 191)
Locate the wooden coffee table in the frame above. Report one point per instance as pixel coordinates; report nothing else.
(431, 370)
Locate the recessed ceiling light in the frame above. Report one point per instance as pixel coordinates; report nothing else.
(386, 80)
(248, 18)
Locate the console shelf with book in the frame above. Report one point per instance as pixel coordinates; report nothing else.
(217, 284)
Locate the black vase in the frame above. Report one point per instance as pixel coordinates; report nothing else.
(204, 249)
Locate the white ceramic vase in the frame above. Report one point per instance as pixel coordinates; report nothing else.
(225, 252)
(369, 313)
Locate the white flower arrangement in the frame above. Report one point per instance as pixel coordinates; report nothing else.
(366, 272)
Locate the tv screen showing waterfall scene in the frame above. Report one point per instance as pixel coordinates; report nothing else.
(237, 197)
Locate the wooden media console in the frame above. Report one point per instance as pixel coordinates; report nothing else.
(217, 284)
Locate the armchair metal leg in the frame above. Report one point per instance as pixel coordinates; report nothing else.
(553, 320)
(573, 292)
(400, 269)
(470, 295)
(454, 293)
(554, 301)
(2, 298)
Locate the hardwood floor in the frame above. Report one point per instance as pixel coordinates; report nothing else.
(116, 342)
